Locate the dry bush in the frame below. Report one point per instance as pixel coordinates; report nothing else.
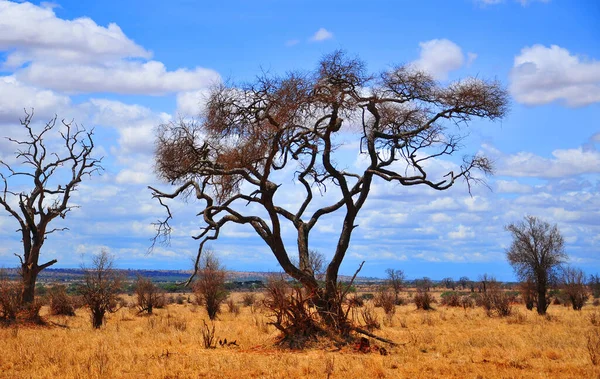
(575, 287)
(528, 293)
(210, 285)
(386, 299)
(451, 299)
(292, 312)
(248, 299)
(593, 346)
(423, 299)
(60, 302)
(496, 301)
(233, 307)
(467, 301)
(208, 335)
(369, 318)
(148, 295)
(10, 298)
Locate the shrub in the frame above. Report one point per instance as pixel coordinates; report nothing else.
(60, 302)
(451, 299)
(494, 300)
(210, 285)
(386, 299)
(233, 307)
(593, 346)
(423, 299)
(369, 318)
(148, 295)
(248, 299)
(10, 298)
(367, 296)
(574, 287)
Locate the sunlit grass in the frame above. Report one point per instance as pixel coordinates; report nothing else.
(447, 342)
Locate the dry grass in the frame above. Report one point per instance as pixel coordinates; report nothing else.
(448, 342)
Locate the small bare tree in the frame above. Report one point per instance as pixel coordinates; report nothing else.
(395, 280)
(464, 282)
(573, 281)
(448, 283)
(100, 287)
(210, 285)
(148, 295)
(536, 253)
(45, 168)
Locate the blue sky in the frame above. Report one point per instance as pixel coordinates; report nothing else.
(125, 67)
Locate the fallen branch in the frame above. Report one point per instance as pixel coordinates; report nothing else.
(374, 336)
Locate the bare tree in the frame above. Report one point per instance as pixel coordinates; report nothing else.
(100, 287)
(231, 157)
(54, 175)
(148, 295)
(395, 280)
(536, 252)
(449, 283)
(210, 285)
(464, 282)
(573, 281)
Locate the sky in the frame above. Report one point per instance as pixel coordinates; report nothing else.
(125, 67)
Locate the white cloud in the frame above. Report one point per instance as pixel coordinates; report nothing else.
(463, 232)
(135, 123)
(522, 2)
(541, 75)
(565, 162)
(124, 77)
(438, 57)
(191, 103)
(16, 96)
(36, 33)
(441, 217)
(512, 186)
(477, 204)
(321, 35)
(292, 42)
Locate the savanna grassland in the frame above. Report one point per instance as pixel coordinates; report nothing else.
(446, 342)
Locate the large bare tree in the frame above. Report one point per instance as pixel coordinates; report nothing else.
(229, 159)
(536, 253)
(37, 187)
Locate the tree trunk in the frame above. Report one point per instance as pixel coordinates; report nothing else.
(29, 275)
(541, 301)
(97, 318)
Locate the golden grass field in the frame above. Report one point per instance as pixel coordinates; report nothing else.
(444, 343)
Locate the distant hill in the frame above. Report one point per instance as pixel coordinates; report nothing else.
(74, 274)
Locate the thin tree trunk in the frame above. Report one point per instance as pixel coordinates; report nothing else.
(542, 303)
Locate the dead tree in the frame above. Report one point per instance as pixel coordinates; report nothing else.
(100, 287)
(54, 173)
(536, 253)
(232, 158)
(574, 285)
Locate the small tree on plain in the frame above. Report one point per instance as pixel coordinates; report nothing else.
(395, 280)
(100, 287)
(594, 284)
(231, 157)
(573, 281)
(148, 295)
(464, 281)
(536, 253)
(54, 174)
(210, 285)
(449, 283)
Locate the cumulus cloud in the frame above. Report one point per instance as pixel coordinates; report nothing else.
(123, 77)
(15, 96)
(439, 57)
(564, 162)
(191, 103)
(36, 33)
(79, 56)
(512, 186)
(134, 123)
(321, 35)
(541, 75)
(462, 232)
